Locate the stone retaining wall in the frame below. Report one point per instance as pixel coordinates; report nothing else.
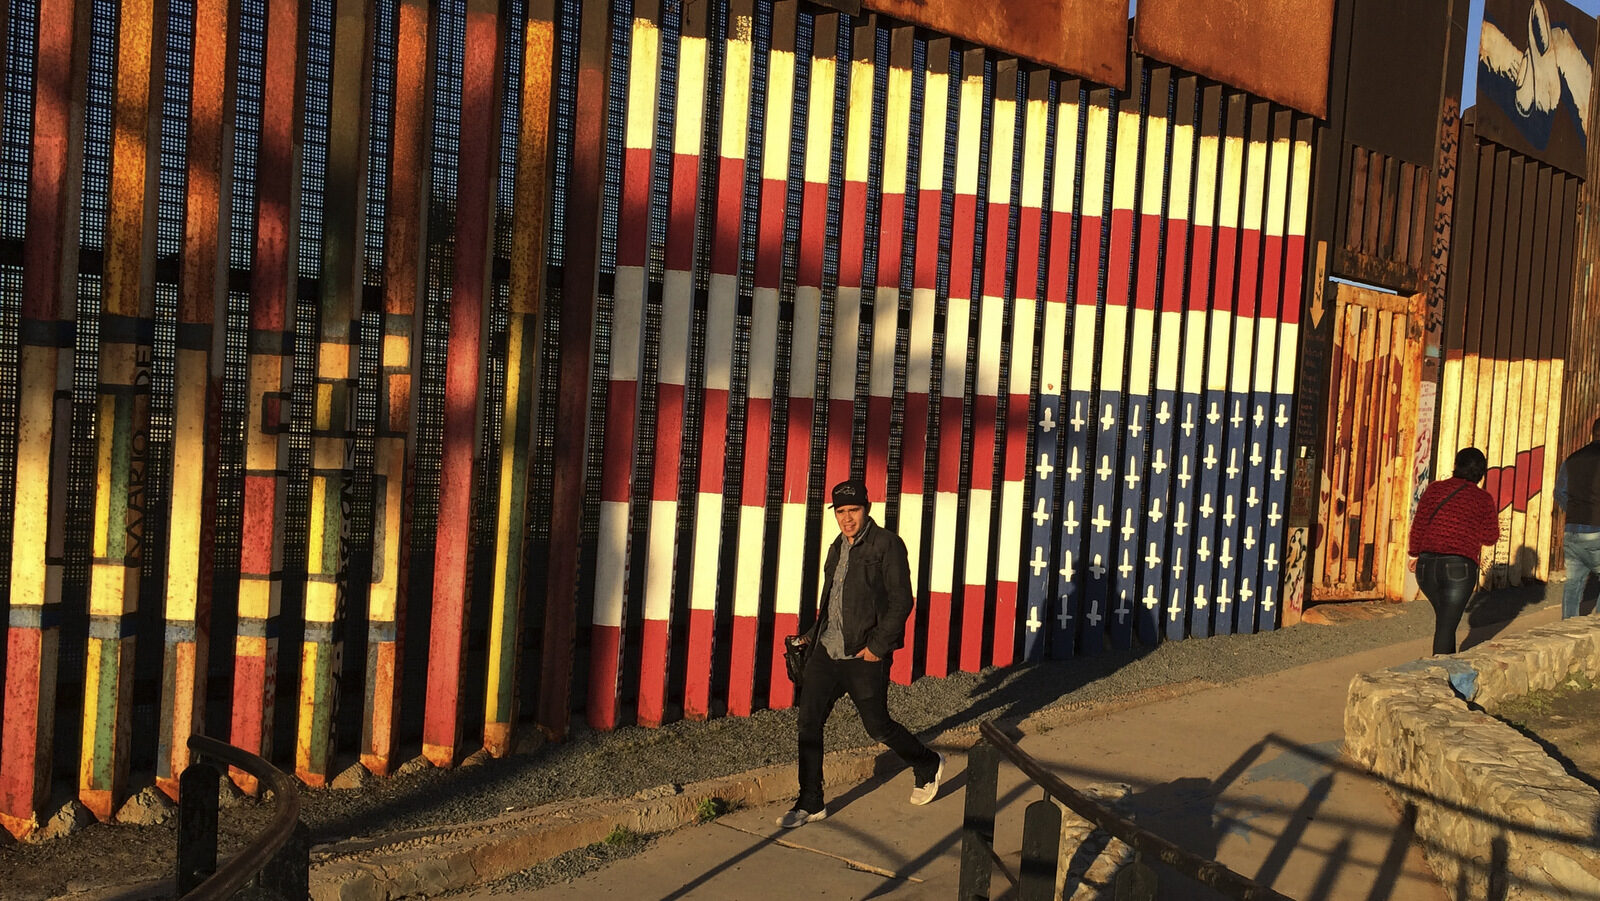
(1496, 816)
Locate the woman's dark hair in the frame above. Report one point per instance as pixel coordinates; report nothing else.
(1471, 464)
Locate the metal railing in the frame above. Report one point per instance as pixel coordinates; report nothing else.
(275, 864)
(1041, 835)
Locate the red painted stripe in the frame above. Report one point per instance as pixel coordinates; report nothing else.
(24, 770)
(1200, 270)
(1249, 293)
(878, 447)
(742, 677)
(1149, 261)
(797, 459)
(851, 237)
(963, 237)
(1016, 462)
(893, 240)
(1088, 259)
(949, 438)
(1060, 255)
(681, 212)
(1120, 258)
(669, 437)
(1271, 276)
(605, 644)
(914, 444)
(714, 439)
(51, 145)
(1028, 253)
(697, 678)
(1293, 274)
(769, 245)
(1226, 264)
(839, 425)
(994, 254)
(730, 186)
(780, 693)
(900, 666)
(653, 659)
(249, 687)
(1005, 619)
(936, 662)
(812, 233)
(1177, 254)
(635, 208)
(255, 552)
(928, 239)
(616, 482)
(757, 439)
(972, 614)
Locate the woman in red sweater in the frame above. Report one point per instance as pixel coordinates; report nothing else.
(1454, 520)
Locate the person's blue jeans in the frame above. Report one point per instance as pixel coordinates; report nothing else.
(1582, 553)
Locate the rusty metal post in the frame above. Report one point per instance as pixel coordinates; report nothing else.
(977, 826)
(1041, 850)
(197, 825)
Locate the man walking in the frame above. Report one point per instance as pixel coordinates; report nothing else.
(861, 621)
(1578, 493)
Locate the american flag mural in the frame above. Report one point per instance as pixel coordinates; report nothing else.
(491, 363)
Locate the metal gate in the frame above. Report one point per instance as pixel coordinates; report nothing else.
(1371, 431)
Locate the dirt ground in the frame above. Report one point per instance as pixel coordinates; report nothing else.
(1566, 721)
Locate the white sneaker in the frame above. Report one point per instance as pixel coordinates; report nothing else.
(924, 794)
(799, 817)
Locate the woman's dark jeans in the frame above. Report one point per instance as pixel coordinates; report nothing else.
(1448, 580)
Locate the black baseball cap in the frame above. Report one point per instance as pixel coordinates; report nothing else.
(851, 493)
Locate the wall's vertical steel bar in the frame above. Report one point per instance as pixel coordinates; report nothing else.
(266, 454)
(468, 303)
(1167, 480)
(400, 45)
(1015, 356)
(1077, 345)
(794, 401)
(1536, 403)
(615, 570)
(38, 213)
(577, 267)
(123, 421)
(191, 531)
(1040, 242)
(970, 264)
(873, 340)
(751, 385)
(1092, 331)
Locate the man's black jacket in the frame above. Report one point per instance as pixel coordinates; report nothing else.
(877, 592)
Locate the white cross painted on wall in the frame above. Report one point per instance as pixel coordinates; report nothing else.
(1233, 463)
(1073, 469)
(1237, 417)
(1205, 506)
(1272, 557)
(1228, 515)
(1107, 420)
(1245, 594)
(1047, 423)
(1252, 499)
(1041, 513)
(1273, 515)
(1151, 602)
(1044, 469)
(1188, 419)
(1200, 597)
(1135, 422)
(1071, 519)
(1249, 538)
(1159, 464)
(1152, 558)
(1177, 568)
(1210, 459)
(1104, 471)
(1213, 416)
(1077, 421)
(1223, 600)
(1283, 416)
(1176, 608)
(1125, 568)
(1122, 608)
(1163, 414)
(1180, 521)
(1155, 510)
(1100, 522)
(1226, 557)
(1255, 453)
(1183, 471)
(1260, 416)
(1098, 569)
(1132, 478)
(1033, 619)
(1277, 464)
(1127, 525)
(1266, 598)
(1068, 571)
(1203, 551)
(1038, 563)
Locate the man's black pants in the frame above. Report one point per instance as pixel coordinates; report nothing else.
(867, 683)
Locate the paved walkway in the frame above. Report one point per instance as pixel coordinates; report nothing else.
(1237, 772)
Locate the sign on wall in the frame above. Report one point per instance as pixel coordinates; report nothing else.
(1534, 63)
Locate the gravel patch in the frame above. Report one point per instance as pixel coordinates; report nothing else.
(631, 759)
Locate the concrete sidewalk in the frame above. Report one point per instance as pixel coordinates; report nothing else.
(1237, 772)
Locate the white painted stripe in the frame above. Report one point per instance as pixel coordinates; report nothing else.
(1217, 370)
(846, 339)
(1288, 351)
(1022, 347)
(1194, 352)
(989, 340)
(791, 564)
(803, 356)
(1144, 323)
(1094, 159)
(1182, 170)
(1171, 325)
(1066, 158)
(747, 593)
(611, 576)
(1051, 362)
(1081, 376)
(1302, 189)
(736, 88)
(1112, 346)
(676, 300)
(1232, 174)
(942, 576)
(1036, 122)
(911, 531)
(1155, 164)
(658, 566)
(820, 121)
(935, 110)
(707, 526)
(628, 324)
(969, 132)
(1243, 337)
(919, 355)
(1003, 144)
(1266, 353)
(858, 145)
(957, 323)
(1278, 187)
(897, 131)
(978, 518)
(780, 103)
(645, 62)
(691, 96)
(1126, 181)
(723, 301)
(763, 342)
(1205, 183)
(885, 319)
(1256, 163)
(1008, 565)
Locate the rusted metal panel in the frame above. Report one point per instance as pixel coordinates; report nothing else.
(1534, 56)
(1083, 37)
(1396, 72)
(1278, 49)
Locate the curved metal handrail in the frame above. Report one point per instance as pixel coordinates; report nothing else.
(232, 876)
(1206, 872)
